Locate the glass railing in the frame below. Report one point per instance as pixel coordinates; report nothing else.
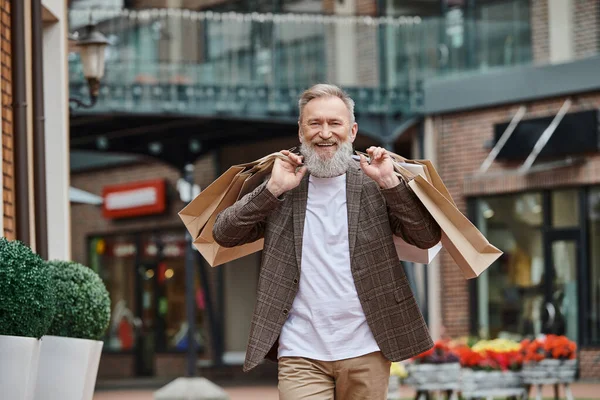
(174, 49)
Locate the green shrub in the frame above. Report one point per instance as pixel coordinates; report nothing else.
(82, 301)
(26, 292)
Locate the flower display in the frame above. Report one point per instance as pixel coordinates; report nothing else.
(491, 355)
(397, 369)
(549, 347)
(440, 353)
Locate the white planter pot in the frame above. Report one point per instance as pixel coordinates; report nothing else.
(67, 368)
(559, 371)
(18, 366)
(433, 375)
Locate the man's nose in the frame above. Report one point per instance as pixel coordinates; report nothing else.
(325, 132)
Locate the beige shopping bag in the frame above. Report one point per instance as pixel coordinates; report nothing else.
(205, 243)
(409, 252)
(464, 242)
(405, 251)
(200, 214)
(198, 211)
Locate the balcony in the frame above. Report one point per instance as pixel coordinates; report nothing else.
(255, 65)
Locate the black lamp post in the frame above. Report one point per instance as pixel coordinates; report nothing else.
(91, 50)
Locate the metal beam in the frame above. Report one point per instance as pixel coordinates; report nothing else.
(139, 130)
(545, 137)
(503, 139)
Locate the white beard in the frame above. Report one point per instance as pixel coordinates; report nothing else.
(327, 167)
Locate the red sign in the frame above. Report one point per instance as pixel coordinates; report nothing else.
(134, 199)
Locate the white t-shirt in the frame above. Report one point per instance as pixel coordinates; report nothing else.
(326, 321)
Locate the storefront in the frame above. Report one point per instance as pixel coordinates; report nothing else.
(542, 211)
(136, 243)
(145, 275)
(548, 278)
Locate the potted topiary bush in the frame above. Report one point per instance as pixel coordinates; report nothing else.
(70, 352)
(26, 312)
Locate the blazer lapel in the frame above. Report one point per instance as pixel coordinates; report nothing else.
(299, 214)
(354, 183)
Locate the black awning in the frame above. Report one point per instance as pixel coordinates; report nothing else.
(577, 133)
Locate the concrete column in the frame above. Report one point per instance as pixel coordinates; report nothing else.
(56, 96)
(434, 274)
(560, 29)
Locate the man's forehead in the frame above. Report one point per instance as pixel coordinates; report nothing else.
(327, 107)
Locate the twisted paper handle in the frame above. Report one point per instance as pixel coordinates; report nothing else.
(399, 170)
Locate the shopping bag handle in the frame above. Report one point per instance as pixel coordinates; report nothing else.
(400, 171)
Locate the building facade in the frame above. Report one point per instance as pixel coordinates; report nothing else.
(162, 81)
(35, 169)
(542, 214)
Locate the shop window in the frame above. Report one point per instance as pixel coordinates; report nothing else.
(114, 260)
(533, 288)
(169, 288)
(594, 275)
(565, 208)
(145, 277)
(510, 292)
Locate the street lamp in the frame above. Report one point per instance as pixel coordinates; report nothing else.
(91, 50)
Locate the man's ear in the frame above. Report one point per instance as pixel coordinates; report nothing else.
(353, 132)
(299, 132)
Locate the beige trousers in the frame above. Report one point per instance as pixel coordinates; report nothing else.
(361, 378)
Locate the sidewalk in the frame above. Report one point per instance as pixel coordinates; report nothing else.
(581, 390)
(238, 393)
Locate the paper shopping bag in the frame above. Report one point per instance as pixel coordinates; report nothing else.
(464, 242)
(200, 215)
(198, 211)
(205, 243)
(409, 252)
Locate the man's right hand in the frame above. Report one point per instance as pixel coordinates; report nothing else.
(285, 174)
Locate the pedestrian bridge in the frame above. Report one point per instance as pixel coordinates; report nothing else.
(249, 67)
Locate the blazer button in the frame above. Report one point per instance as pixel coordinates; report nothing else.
(295, 281)
(285, 311)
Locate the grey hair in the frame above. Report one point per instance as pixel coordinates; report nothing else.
(326, 90)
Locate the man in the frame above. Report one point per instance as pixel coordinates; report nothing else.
(333, 303)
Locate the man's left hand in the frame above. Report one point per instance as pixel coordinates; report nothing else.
(381, 168)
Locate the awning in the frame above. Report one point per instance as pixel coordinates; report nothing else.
(528, 165)
(83, 197)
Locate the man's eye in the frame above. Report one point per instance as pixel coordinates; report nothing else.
(314, 124)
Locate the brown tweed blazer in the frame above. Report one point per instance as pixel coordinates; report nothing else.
(374, 215)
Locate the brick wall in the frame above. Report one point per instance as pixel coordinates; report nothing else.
(587, 28)
(366, 7)
(589, 364)
(461, 138)
(539, 31)
(8, 182)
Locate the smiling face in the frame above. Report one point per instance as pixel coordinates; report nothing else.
(325, 125)
(326, 135)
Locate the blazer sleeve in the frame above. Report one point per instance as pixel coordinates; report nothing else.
(244, 221)
(409, 219)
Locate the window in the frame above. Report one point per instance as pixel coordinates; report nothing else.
(594, 274)
(145, 277)
(114, 260)
(510, 292)
(504, 33)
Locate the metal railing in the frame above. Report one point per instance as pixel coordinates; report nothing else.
(183, 53)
